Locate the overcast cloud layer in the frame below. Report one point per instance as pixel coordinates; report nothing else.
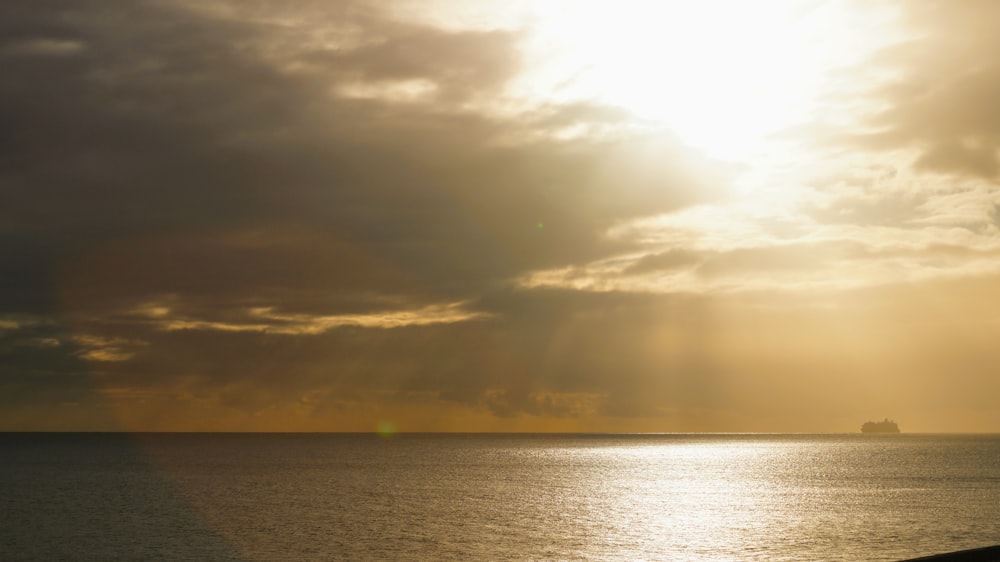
(330, 216)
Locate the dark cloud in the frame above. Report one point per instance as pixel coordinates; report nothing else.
(195, 163)
(547, 355)
(220, 213)
(45, 382)
(168, 121)
(458, 65)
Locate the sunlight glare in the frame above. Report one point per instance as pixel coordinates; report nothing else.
(723, 75)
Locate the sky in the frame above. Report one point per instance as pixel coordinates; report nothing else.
(441, 215)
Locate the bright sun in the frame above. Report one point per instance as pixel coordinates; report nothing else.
(723, 75)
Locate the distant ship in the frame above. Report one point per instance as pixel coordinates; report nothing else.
(884, 426)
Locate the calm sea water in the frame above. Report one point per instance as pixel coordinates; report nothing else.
(494, 497)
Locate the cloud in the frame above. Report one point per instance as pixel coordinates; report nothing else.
(266, 319)
(102, 349)
(307, 215)
(179, 123)
(231, 179)
(45, 47)
(667, 260)
(939, 100)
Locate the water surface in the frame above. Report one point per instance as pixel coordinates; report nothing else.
(460, 497)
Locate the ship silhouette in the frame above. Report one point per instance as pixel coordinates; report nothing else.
(884, 426)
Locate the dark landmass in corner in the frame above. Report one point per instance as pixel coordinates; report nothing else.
(985, 554)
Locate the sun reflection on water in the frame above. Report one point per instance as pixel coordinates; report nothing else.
(598, 497)
(703, 497)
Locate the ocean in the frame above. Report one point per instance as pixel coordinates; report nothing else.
(495, 497)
